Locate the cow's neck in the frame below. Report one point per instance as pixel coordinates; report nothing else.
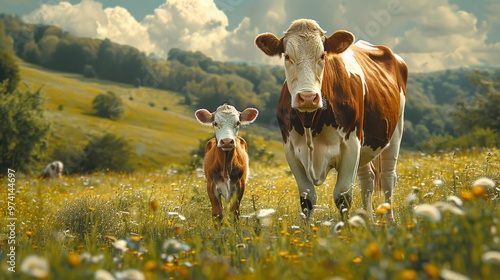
(226, 157)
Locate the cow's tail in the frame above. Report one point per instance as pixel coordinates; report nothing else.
(376, 165)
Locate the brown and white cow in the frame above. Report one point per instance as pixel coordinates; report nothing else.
(226, 156)
(341, 106)
(52, 170)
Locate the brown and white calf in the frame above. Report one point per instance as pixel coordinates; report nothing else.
(52, 170)
(226, 156)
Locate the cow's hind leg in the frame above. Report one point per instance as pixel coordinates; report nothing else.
(389, 160)
(366, 177)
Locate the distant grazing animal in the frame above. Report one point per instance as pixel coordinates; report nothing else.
(53, 170)
(226, 156)
(341, 106)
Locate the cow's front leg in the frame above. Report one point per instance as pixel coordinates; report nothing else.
(215, 200)
(307, 190)
(236, 198)
(349, 151)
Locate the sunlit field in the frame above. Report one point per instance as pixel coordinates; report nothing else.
(158, 226)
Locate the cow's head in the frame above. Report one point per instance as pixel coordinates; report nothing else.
(226, 121)
(305, 49)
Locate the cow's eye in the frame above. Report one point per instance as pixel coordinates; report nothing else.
(323, 56)
(215, 124)
(287, 57)
(237, 124)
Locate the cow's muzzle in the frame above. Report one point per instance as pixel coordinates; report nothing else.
(226, 144)
(308, 101)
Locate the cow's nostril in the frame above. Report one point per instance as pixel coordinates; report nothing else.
(226, 142)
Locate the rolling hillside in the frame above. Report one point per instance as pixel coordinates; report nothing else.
(161, 131)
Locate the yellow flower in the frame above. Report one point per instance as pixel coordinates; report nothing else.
(153, 205)
(431, 270)
(409, 274)
(73, 259)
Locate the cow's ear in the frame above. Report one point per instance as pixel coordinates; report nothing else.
(269, 44)
(248, 115)
(204, 116)
(339, 41)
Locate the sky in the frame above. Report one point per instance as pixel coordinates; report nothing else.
(429, 34)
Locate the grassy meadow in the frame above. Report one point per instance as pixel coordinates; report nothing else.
(158, 226)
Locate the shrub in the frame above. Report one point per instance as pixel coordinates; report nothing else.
(89, 72)
(109, 105)
(108, 152)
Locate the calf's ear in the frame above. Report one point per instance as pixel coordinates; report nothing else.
(269, 44)
(248, 115)
(204, 116)
(339, 41)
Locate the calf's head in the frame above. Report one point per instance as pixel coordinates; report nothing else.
(226, 121)
(305, 49)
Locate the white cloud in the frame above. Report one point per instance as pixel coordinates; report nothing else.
(428, 34)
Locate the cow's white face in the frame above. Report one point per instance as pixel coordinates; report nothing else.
(304, 59)
(305, 49)
(226, 121)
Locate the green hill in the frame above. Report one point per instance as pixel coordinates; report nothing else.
(161, 130)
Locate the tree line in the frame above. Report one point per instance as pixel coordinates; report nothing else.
(444, 110)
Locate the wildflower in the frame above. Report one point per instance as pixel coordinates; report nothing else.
(120, 245)
(263, 213)
(408, 274)
(102, 274)
(466, 195)
(29, 233)
(428, 211)
(153, 205)
(35, 266)
(357, 221)
(173, 246)
(457, 201)
(484, 182)
(411, 199)
(338, 227)
(73, 259)
(491, 257)
(383, 208)
(129, 274)
(373, 250)
(438, 182)
(443, 206)
(431, 270)
(447, 274)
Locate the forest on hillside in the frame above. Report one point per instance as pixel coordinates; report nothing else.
(445, 110)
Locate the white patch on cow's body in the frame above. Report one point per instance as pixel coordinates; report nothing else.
(225, 188)
(365, 45)
(352, 67)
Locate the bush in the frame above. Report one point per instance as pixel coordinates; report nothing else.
(23, 129)
(89, 72)
(109, 105)
(107, 153)
(9, 72)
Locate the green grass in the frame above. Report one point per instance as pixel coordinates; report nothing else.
(64, 221)
(165, 137)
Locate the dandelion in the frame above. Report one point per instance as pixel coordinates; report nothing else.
(428, 211)
(383, 208)
(129, 274)
(153, 205)
(447, 274)
(173, 246)
(491, 257)
(357, 221)
(102, 274)
(408, 274)
(484, 182)
(35, 266)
